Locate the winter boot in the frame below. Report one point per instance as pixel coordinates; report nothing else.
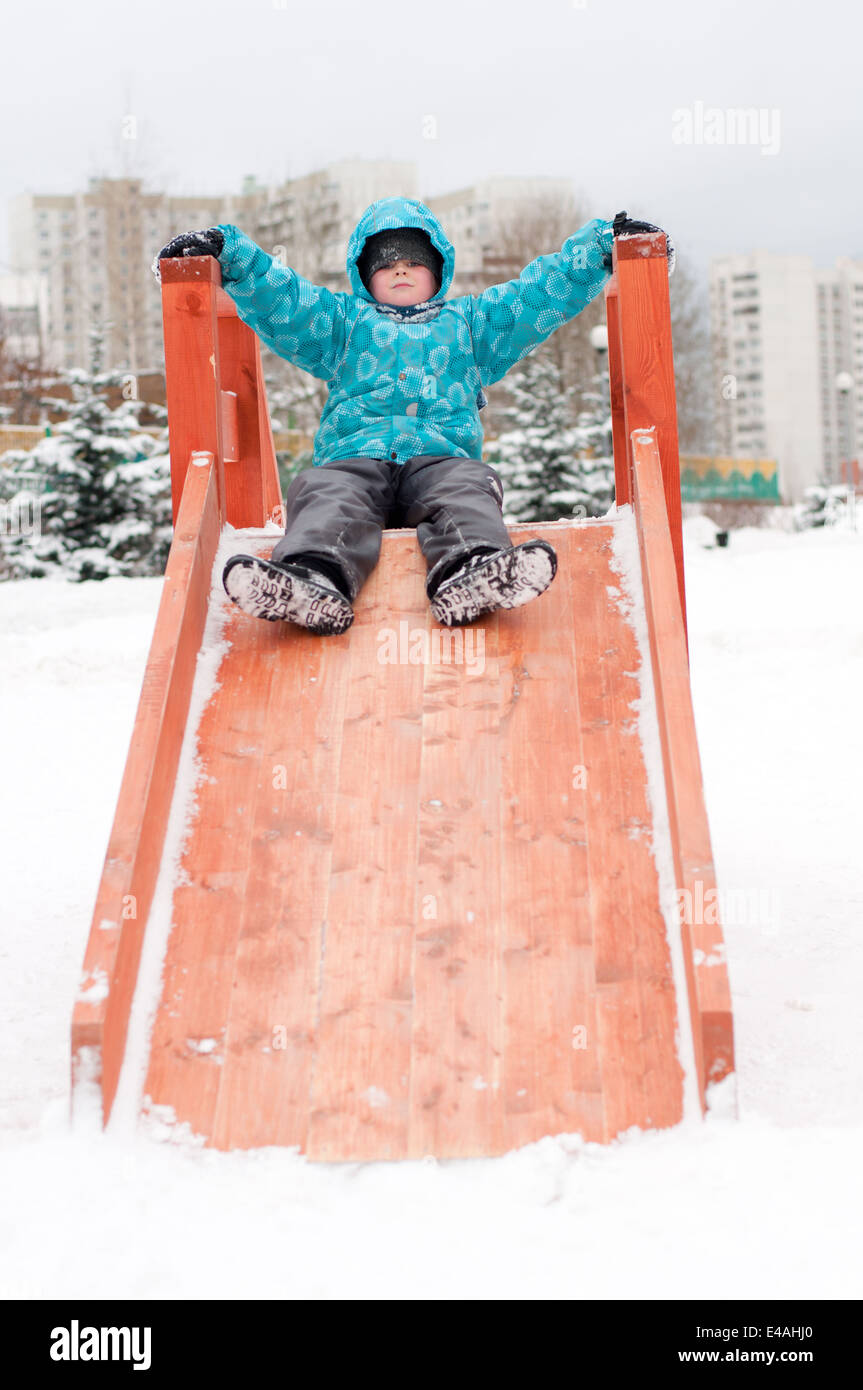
(289, 592)
(491, 579)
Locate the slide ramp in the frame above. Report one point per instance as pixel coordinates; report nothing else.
(427, 896)
(419, 910)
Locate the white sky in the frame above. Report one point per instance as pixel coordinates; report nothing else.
(583, 89)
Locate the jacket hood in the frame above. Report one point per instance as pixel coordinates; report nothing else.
(386, 214)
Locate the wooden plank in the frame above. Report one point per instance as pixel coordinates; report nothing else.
(620, 439)
(125, 893)
(192, 381)
(360, 1087)
(456, 1082)
(273, 507)
(230, 432)
(704, 954)
(251, 478)
(644, 1002)
(272, 1021)
(619, 1012)
(187, 1049)
(647, 365)
(553, 1081)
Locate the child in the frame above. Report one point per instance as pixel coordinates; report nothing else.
(400, 439)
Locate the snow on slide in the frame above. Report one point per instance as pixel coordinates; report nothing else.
(417, 893)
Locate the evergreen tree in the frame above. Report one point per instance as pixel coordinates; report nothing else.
(596, 447)
(824, 504)
(554, 462)
(103, 487)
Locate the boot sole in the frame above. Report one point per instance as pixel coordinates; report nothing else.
(506, 580)
(285, 595)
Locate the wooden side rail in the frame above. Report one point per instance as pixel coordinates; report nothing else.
(101, 1014)
(695, 879)
(641, 373)
(215, 392)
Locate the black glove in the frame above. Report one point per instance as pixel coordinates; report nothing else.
(622, 223)
(206, 243)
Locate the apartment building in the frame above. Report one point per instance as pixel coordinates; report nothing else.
(23, 314)
(90, 253)
(472, 216)
(93, 251)
(309, 220)
(781, 334)
(839, 308)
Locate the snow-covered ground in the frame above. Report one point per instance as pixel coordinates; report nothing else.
(765, 1205)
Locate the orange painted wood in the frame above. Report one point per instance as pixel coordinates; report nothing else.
(134, 850)
(212, 357)
(225, 306)
(272, 493)
(457, 1064)
(620, 443)
(704, 951)
(384, 952)
(230, 438)
(192, 382)
(187, 1048)
(268, 1052)
(359, 1101)
(551, 1067)
(252, 490)
(647, 366)
(636, 1012)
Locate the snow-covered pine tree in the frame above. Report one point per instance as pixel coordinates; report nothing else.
(824, 504)
(554, 461)
(103, 487)
(596, 448)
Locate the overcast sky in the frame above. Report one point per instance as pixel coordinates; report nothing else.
(583, 89)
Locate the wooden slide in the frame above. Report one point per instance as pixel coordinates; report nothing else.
(429, 894)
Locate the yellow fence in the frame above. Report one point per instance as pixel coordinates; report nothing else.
(20, 436)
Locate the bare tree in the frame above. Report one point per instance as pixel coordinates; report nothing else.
(537, 229)
(543, 227)
(23, 381)
(296, 398)
(534, 229)
(690, 336)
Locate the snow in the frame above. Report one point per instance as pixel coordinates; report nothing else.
(764, 1204)
(147, 994)
(630, 597)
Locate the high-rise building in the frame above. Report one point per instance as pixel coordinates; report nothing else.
(23, 315)
(840, 351)
(472, 217)
(308, 221)
(91, 252)
(781, 334)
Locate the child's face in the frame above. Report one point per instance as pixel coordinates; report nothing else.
(403, 282)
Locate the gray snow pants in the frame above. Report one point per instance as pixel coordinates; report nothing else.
(336, 512)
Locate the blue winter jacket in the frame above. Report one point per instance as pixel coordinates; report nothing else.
(407, 380)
